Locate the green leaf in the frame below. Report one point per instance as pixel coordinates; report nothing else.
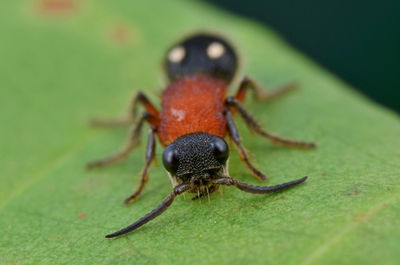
(62, 64)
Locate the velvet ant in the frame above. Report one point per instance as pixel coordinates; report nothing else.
(195, 117)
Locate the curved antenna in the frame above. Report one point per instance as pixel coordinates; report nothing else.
(257, 189)
(154, 213)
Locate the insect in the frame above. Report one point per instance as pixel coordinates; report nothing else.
(195, 117)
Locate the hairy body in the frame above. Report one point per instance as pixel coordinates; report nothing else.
(191, 104)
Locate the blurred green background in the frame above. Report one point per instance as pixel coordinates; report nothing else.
(357, 40)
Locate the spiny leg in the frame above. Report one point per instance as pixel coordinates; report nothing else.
(234, 133)
(154, 213)
(262, 94)
(150, 152)
(257, 189)
(132, 142)
(254, 126)
(131, 115)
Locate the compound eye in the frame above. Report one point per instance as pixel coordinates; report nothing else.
(221, 149)
(215, 50)
(177, 54)
(170, 159)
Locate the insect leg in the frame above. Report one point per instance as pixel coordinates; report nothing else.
(262, 94)
(154, 213)
(257, 189)
(132, 142)
(131, 115)
(254, 126)
(234, 134)
(150, 152)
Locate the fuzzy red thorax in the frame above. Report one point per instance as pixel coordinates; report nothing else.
(193, 103)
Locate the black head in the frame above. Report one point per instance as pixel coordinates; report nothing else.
(195, 156)
(202, 53)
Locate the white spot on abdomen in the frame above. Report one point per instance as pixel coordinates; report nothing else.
(215, 50)
(177, 54)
